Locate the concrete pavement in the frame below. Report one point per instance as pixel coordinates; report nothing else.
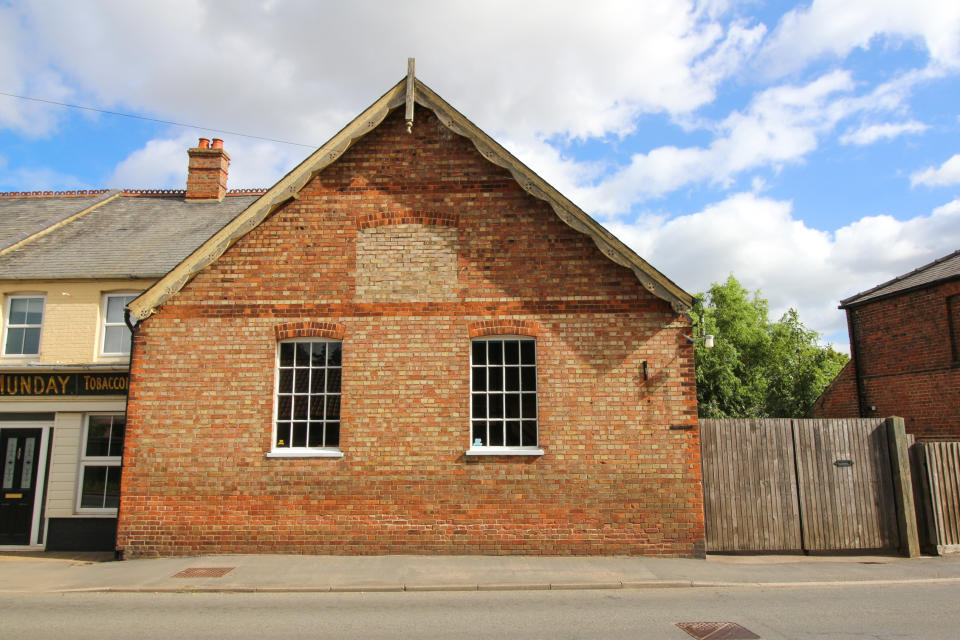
(64, 572)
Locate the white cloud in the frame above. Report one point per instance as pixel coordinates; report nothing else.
(759, 241)
(872, 133)
(587, 70)
(836, 27)
(947, 174)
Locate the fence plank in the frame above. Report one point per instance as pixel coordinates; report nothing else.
(943, 483)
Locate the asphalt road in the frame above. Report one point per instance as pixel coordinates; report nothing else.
(925, 611)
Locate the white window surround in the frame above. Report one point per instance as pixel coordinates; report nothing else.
(7, 325)
(108, 323)
(93, 461)
(311, 394)
(492, 419)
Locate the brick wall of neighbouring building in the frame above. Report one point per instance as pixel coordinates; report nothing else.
(905, 352)
(408, 246)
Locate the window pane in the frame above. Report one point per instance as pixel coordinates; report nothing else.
(300, 407)
(479, 352)
(283, 434)
(317, 405)
(511, 352)
(98, 436)
(286, 354)
(479, 405)
(333, 380)
(479, 433)
(285, 385)
(299, 434)
(528, 378)
(496, 405)
(18, 310)
(318, 381)
(116, 340)
(31, 340)
(333, 354)
(512, 402)
(315, 438)
(529, 435)
(302, 350)
(115, 305)
(528, 352)
(333, 408)
(529, 405)
(495, 352)
(301, 380)
(479, 378)
(284, 405)
(333, 434)
(94, 486)
(34, 310)
(111, 498)
(496, 434)
(116, 435)
(495, 381)
(513, 378)
(319, 354)
(14, 344)
(513, 433)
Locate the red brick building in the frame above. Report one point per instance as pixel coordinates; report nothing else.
(412, 344)
(905, 353)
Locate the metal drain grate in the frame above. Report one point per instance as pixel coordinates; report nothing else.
(717, 631)
(204, 572)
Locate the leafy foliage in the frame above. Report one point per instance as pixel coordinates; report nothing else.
(757, 368)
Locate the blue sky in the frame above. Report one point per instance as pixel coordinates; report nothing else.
(810, 149)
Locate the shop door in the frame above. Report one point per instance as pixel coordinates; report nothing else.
(20, 450)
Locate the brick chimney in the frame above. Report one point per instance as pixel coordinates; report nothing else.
(207, 171)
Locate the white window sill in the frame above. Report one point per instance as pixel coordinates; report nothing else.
(503, 451)
(306, 453)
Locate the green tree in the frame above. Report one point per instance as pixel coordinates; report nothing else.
(757, 368)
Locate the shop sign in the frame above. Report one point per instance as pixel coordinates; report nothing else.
(63, 384)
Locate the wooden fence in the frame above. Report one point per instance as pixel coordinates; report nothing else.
(939, 473)
(805, 485)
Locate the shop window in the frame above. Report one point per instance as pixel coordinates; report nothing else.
(100, 463)
(24, 321)
(307, 415)
(503, 400)
(115, 339)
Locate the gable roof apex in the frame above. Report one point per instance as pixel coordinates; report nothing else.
(289, 186)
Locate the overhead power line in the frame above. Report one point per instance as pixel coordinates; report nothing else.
(136, 117)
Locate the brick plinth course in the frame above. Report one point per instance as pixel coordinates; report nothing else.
(615, 478)
(907, 363)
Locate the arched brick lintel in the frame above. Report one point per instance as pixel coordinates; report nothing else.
(504, 327)
(369, 221)
(309, 329)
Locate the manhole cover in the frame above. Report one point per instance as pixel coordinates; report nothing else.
(204, 572)
(717, 631)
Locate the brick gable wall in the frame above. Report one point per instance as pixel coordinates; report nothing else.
(906, 363)
(621, 470)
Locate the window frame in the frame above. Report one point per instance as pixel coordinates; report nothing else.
(86, 462)
(503, 450)
(105, 300)
(306, 451)
(7, 325)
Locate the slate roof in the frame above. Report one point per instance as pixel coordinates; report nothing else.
(23, 216)
(130, 236)
(945, 268)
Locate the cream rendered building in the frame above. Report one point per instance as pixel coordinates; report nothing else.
(69, 265)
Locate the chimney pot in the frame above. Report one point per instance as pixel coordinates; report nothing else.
(204, 143)
(217, 144)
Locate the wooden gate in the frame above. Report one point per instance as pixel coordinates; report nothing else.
(798, 485)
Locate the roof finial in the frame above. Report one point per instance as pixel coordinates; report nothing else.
(411, 64)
